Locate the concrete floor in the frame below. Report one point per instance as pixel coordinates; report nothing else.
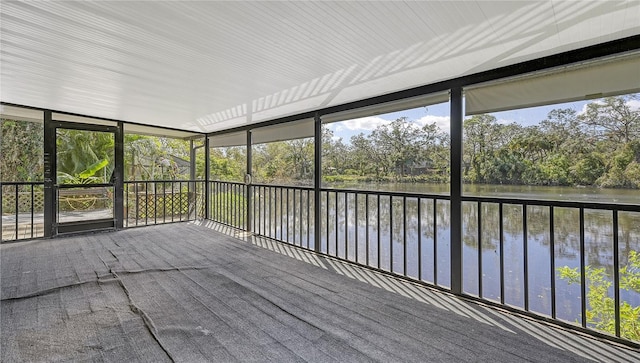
(204, 293)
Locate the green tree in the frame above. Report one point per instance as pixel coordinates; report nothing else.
(300, 154)
(21, 146)
(613, 118)
(402, 142)
(479, 143)
(601, 311)
(78, 150)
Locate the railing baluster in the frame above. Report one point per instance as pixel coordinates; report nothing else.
(236, 205)
(616, 273)
(288, 218)
(378, 226)
(146, 204)
(32, 208)
(294, 216)
(281, 215)
(216, 206)
(172, 200)
(256, 209)
(480, 249)
(308, 217)
(525, 250)
(265, 210)
(17, 209)
(583, 282)
(404, 235)
(327, 207)
(435, 242)
(232, 203)
(346, 226)
(357, 225)
(136, 210)
(301, 218)
(164, 202)
(336, 222)
(366, 217)
(391, 233)
(552, 257)
(501, 238)
(419, 211)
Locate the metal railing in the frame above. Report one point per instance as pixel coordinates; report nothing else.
(593, 235)
(228, 203)
(284, 213)
(22, 210)
(391, 231)
(151, 202)
(513, 249)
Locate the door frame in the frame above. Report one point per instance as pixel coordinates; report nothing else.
(52, 227)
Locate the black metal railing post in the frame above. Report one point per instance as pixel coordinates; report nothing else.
(317, 180)
(207, 178)
(249, 189)
(456, 189)
(49, 174)
(118, 173)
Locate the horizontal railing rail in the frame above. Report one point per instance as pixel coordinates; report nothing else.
(22, 210)
(556, 203)
(389, 193)
(150, 202)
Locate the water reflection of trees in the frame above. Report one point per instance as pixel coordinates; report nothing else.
(405, 224)
(377, 227)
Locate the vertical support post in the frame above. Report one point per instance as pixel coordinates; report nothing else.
(207, 187)
(192, 161)
(118, 173)
(49, 174)
(192, 196)
(456, 189)
(249, 188)
(317, 179)
(616, 272)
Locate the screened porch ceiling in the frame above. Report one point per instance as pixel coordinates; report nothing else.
(211, 66)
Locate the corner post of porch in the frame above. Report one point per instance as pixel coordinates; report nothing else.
(118, 174)
(249, 188)
(207, 166)
(456, 189)
(317, 179)
(49, 174)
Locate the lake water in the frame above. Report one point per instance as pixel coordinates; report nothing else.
(350, 229)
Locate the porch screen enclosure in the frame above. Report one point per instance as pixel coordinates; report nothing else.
(511, 212)
(516, 187)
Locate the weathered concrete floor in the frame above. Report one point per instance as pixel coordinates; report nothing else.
(187, 293)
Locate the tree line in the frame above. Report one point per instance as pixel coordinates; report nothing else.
(599, 146)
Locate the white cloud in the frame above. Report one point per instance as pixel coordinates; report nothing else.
(362, 124)
(441, 121)
(583, 110)
(634, 105)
